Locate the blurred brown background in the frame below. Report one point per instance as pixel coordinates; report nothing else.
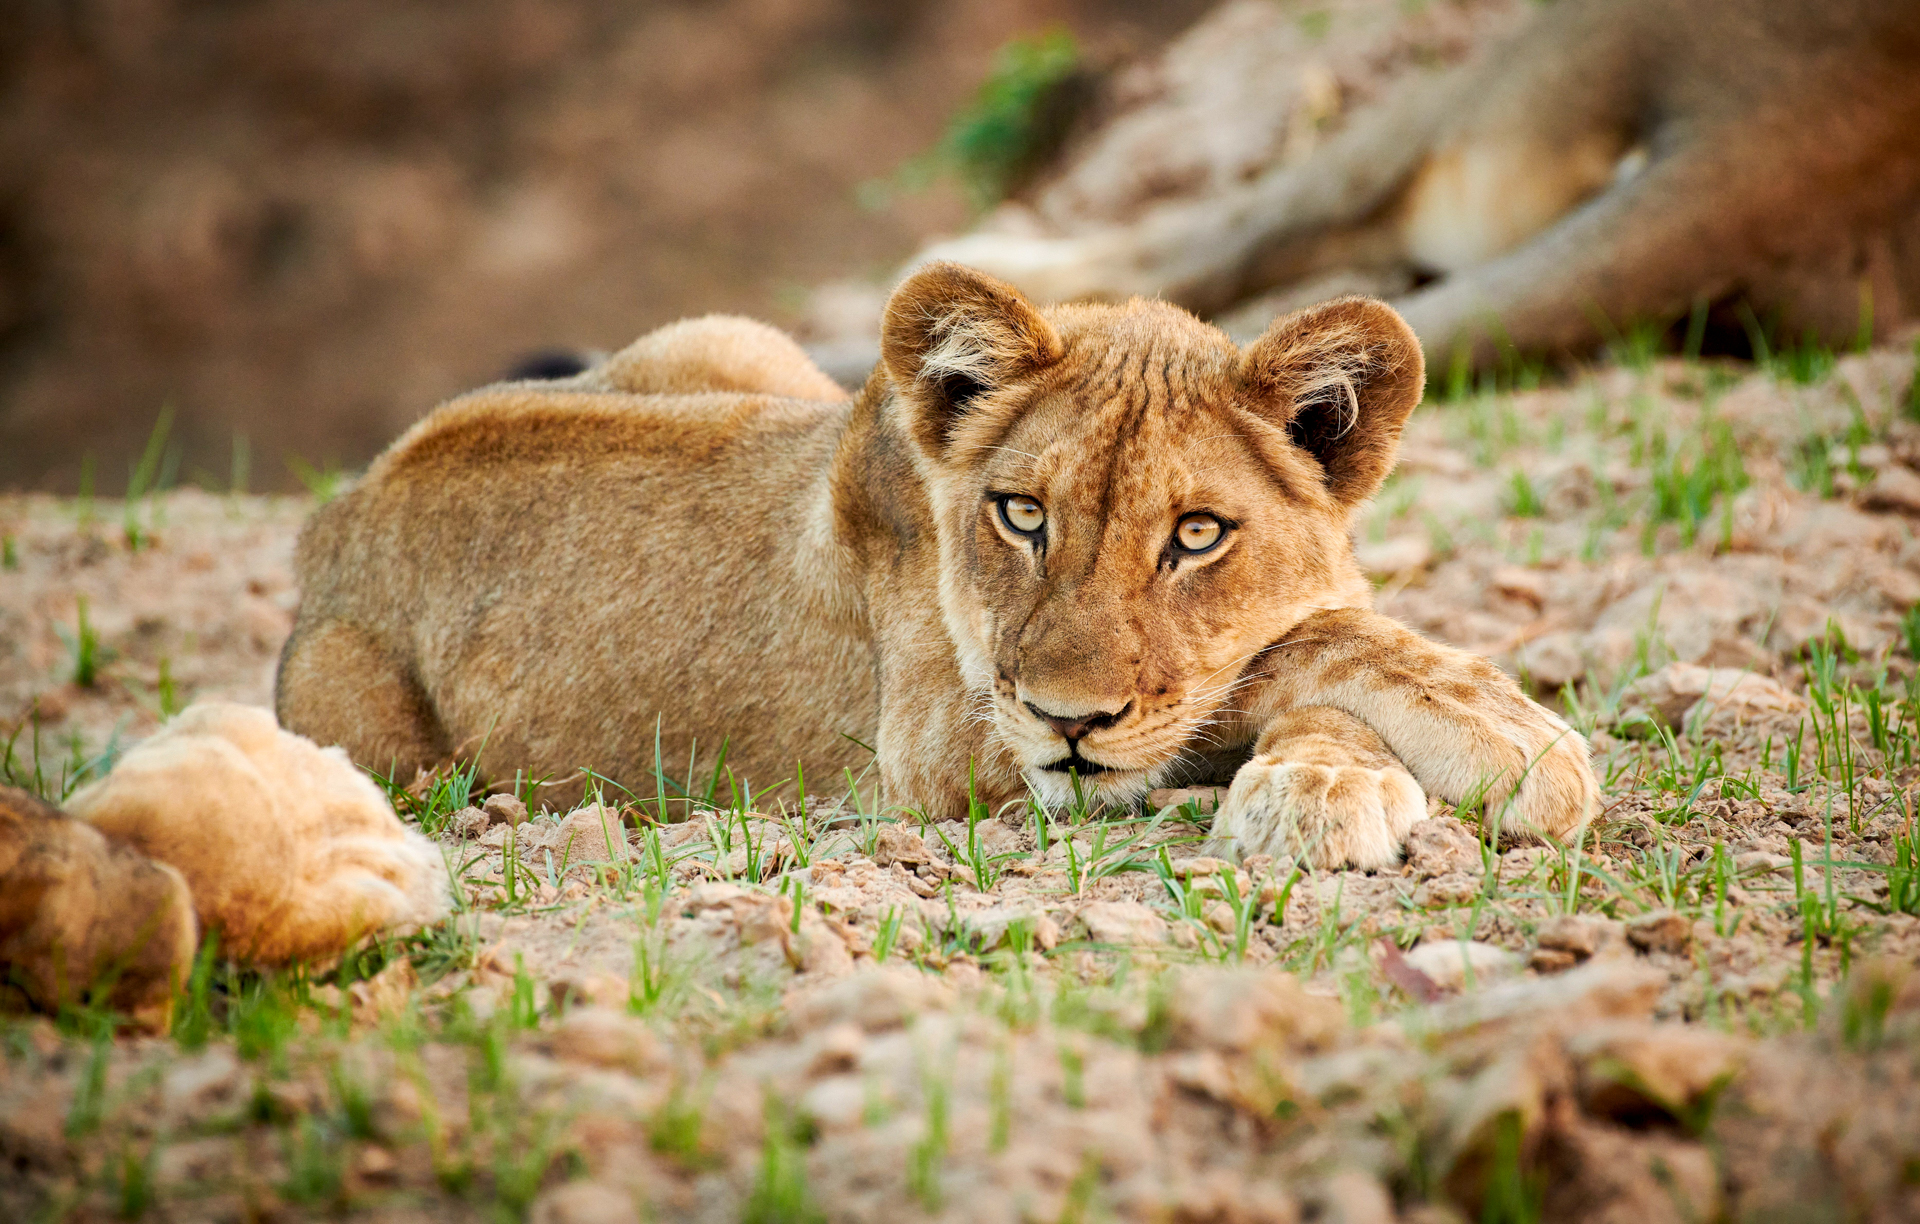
(302, 222)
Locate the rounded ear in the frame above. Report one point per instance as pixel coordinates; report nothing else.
(951, 337)
(1341, 378)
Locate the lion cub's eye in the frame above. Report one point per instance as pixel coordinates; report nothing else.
(1197, 533)
(1022, 515)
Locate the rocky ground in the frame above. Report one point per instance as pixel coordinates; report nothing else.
(654, 1007)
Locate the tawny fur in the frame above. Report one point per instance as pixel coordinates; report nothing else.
(554, 577)
(713, 353)
(1616, 161)
(291, 853)
(84, 920)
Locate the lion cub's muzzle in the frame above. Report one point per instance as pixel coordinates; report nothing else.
(1073, 728)
(1057, 740)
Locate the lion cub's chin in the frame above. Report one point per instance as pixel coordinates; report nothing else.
(1112, 787)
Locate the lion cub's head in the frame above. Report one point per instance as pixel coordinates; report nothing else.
(1130, 508)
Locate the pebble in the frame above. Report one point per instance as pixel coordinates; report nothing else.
(1580, 936)
(583, 1202)
(1661, 931)
(1441, 892)
(1893, 488)
(1454, 964)
(1121, 923)
(1625, 1067)
(591, 834)
(1248, 1009)
(1671, 695)
(504, 809)
(1441, 846)
(604, 1037)
(896, 845)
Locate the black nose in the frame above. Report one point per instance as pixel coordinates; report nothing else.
(1073, 728)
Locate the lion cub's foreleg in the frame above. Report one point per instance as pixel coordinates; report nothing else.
(1457, 723)
(1321, 786)
(336, 685)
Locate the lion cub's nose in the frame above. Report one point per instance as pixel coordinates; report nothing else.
(1074, 726)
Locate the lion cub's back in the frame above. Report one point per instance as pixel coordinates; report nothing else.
(519, 484)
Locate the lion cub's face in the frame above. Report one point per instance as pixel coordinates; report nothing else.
(1131, 509)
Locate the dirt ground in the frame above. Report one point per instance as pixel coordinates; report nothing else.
(657, 1007)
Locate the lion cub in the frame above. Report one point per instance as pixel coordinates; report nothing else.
(1092, 541)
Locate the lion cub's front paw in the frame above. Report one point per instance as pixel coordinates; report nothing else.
(1330, 815)
(1559, 793)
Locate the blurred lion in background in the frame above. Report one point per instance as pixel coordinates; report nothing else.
(1746, 166)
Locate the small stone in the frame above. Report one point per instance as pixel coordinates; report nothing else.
(53, 705)
(590, 834)
(1602, 989)
(896, 845)
(1894, 488)
(1551, 960)
(1454, 964)
(1580, 936)
(1522, 585)
(1247, 1009)
(1220, 917)
(819, 947)
(1660, 931)
(1900, 587)
(604, 1037)
(504, 809)
(1122, 923)
(1441, 846)
(1351, 1196)
(836, 1049)
(1625, 1067)
(1670, 696)
(1888, 985)
(1199, 865)
(583, 1202)
(468, 822)
(384, 994)
(1508, 1091)
(873, 999)
(1205, 799)
(375, 1163)
(994, 926)
(1441, 892)
(200, 1087)
(573, 990)
(1760, 862)
(1552, 660)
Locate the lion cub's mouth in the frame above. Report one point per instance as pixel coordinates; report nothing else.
(1075, 763)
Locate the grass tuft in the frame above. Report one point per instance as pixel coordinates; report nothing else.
(780, 1194)
(1013, 122)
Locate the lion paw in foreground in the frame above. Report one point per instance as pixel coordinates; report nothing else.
(81, 916)
(283, 850)
(1092, 545)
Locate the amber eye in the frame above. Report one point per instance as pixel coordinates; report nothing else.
(1197, 533)
(1022, 515)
